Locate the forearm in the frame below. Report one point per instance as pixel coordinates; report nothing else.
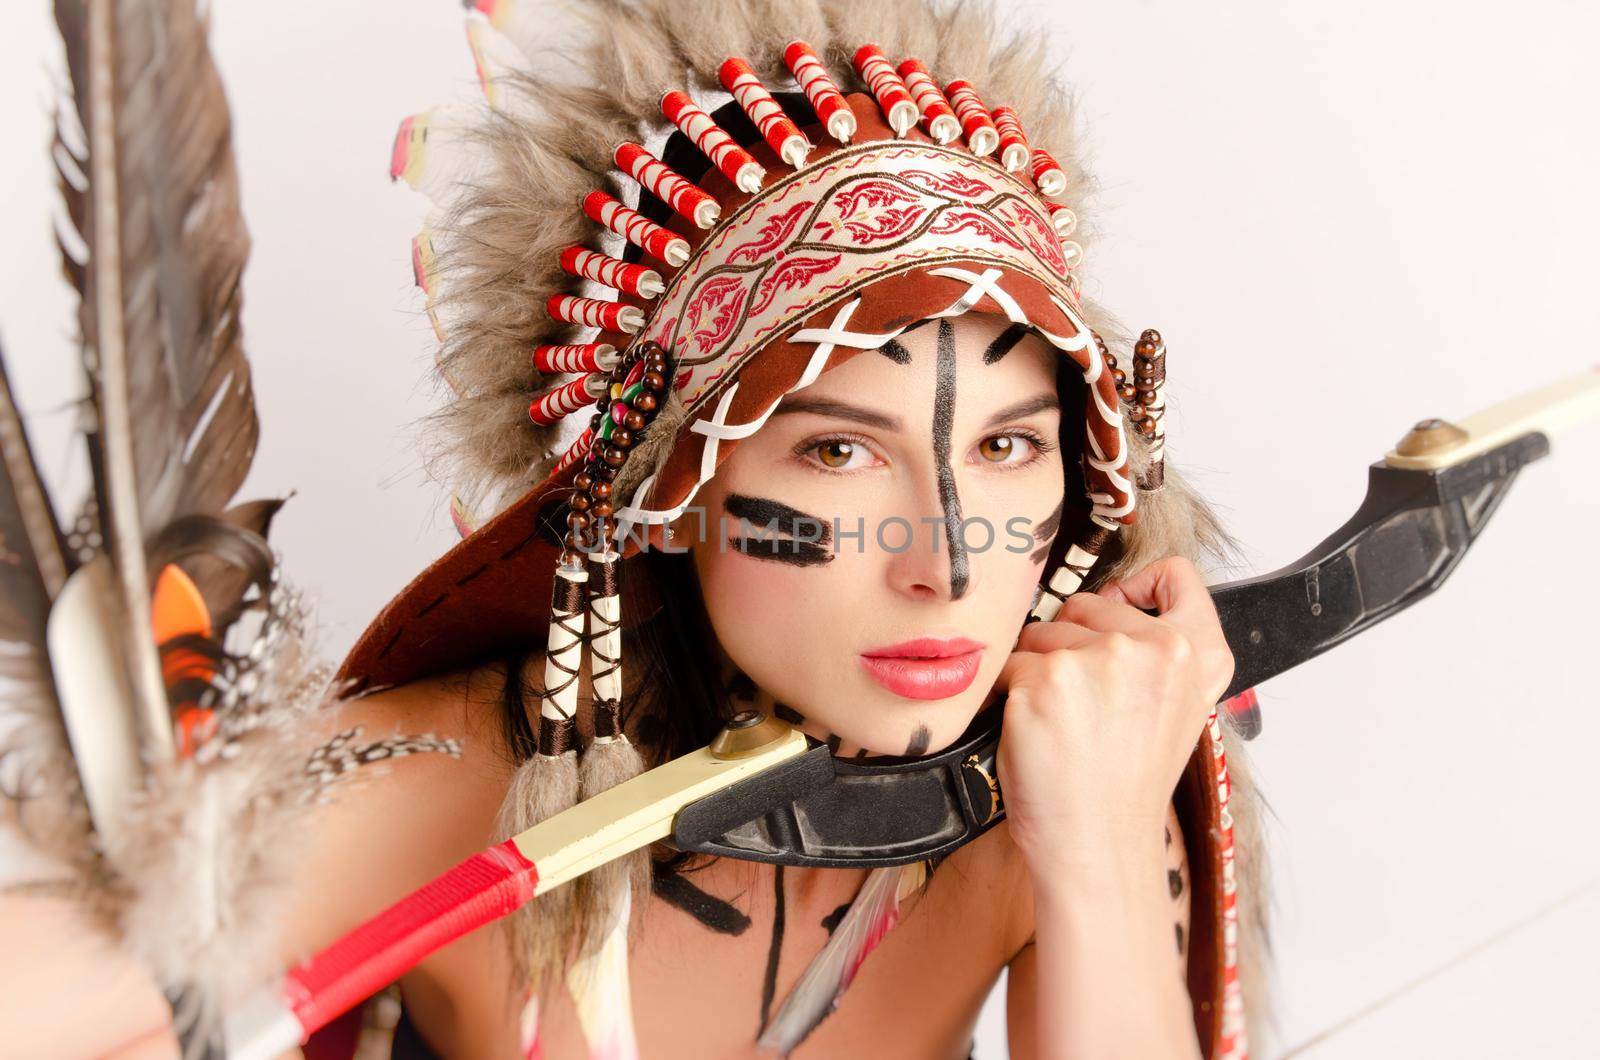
(1106, 982)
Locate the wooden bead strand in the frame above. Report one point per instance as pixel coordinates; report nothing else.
(1150, 382)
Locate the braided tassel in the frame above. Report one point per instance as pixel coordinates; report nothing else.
(611, 757)
(1074, 570)
(547, 783)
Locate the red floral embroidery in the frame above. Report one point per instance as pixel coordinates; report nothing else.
(1040, 236)
(714, 313)
(877, 211)
(953, 183)
(973, 221)
(795, 272)
(772, 235)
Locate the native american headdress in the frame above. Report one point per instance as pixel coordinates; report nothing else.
(664, 218)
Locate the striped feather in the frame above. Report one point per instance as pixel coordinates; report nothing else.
(875, 910)
(599, 985)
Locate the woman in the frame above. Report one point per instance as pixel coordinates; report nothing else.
(1072, 892)
(876, 327)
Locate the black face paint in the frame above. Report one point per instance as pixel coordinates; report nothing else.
(1004, 343)
(676, 890)
(1045, 532)
(787, 535)
(918, 744)
(944, 409)
(788, 714)
(1175, 883)
(833, 741)
(895, 352)
(769, 983)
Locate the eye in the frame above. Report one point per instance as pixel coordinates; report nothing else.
(1016, 448)
(837, 454)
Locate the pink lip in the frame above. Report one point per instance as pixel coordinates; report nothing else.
(925, 667)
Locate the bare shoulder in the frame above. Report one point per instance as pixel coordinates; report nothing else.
(993, 882)
(393, 825)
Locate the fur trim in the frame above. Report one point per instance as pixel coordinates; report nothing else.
(540, 932)
(602, 69)
(599, 893)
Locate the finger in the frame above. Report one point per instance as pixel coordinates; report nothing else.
(1016, 667)
(1053, 636)
(1172, 586)
(1104, 615)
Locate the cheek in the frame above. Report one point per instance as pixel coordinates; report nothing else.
(773, 619)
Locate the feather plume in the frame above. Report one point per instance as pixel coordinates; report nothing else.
(38, 784)
(875, 910)
(598, 982)
(159, 313)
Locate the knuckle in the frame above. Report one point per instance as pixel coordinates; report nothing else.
(1057, 668)
(1118, 645)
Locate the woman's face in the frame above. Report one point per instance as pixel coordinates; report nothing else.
(869, 555)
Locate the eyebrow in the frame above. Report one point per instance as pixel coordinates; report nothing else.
(839, 410)
(1025, 407)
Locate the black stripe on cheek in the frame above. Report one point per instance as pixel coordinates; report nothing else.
(1045, 532)
(810, 537)
(895, 352)
(1004, 343)
(794, 553)
(944, 408)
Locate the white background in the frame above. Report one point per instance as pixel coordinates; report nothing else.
(1343, 218)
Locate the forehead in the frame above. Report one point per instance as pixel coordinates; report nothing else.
(992, 356)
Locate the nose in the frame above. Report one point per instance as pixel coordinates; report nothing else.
(926, 559)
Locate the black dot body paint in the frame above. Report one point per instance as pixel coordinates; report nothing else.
(783, 534)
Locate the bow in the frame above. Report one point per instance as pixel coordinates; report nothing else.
(1427, 500)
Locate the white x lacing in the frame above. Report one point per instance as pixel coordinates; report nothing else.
(716, 428)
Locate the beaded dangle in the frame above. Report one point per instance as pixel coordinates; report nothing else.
(636, 391)
(1149, 385)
